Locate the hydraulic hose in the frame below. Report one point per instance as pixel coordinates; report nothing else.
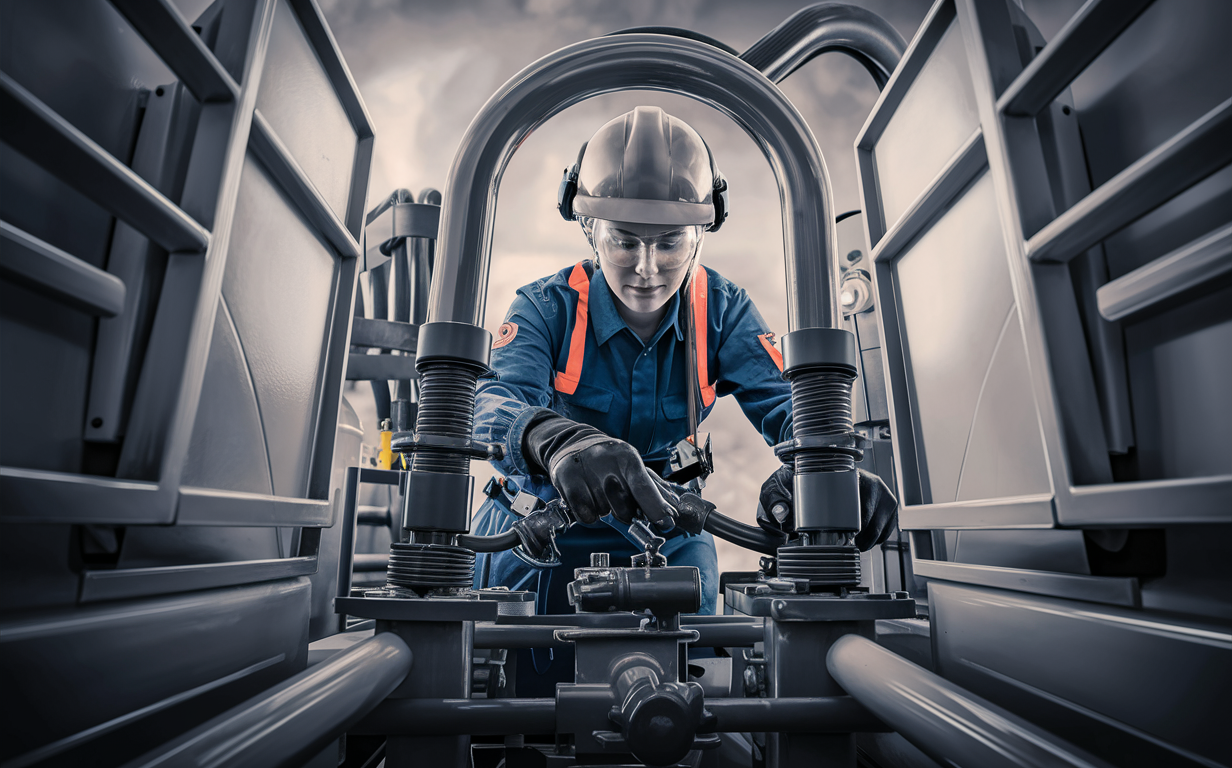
(747, 536)
(498, 543)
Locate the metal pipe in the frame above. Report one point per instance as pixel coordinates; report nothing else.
(948, 723)
(648, 62)
(861, 34)
(820, 714)
(292, 722)
(742, 632)
(497, 717)
(477, 717)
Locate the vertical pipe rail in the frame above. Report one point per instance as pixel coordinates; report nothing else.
(624, 62)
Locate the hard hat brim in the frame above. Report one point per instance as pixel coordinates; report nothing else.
(636, 211)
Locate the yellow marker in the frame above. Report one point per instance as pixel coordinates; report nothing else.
(385, 458)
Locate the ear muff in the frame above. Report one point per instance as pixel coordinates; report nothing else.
(569, 187)
(718, 198)
(718, 193)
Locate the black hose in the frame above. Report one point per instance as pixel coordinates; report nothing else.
(747, 536)
(498, 543)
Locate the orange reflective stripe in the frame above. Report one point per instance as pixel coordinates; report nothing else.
(567, 382)
(767, 341)
(700, 293)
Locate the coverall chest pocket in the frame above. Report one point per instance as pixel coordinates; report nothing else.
(587, 397)
(675, 407)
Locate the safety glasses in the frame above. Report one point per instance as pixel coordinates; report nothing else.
(671, 249)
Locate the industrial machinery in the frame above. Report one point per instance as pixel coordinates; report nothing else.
(1026, 332)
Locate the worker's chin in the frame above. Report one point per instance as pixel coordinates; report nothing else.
(644, 301)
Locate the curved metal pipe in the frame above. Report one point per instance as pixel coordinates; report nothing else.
(949, 724)
(712, 631)
(477, 717)
(861, 34)
(677, 32)
(821, 714)
(648, 62)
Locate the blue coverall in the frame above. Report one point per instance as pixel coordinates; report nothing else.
(632, 390)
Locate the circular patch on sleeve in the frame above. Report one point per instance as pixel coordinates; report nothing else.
(505, 334)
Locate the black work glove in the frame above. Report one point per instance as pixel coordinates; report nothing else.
(877, 507)
(594, 473)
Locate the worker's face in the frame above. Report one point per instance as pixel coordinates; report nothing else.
(645, 264)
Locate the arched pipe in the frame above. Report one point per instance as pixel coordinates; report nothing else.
(648, 62)
(817, 29)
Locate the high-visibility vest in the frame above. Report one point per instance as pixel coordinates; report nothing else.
(566, 381)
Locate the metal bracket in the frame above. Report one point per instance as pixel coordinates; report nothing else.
(850, 443)
(412, 442)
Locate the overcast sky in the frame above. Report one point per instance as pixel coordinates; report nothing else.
(425, 69)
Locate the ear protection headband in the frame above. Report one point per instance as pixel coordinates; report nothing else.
(569, 187)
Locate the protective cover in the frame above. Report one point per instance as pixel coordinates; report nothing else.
(646, 167)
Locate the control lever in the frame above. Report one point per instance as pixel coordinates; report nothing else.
(650, 541)
(538, 531)
(541, 523)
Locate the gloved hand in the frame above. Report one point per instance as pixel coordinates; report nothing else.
(594, 473)
(877, 507)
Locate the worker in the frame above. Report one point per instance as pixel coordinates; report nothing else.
(591, 384)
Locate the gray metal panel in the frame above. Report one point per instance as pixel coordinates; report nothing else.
(1062, 551)
(1096, 589)
(1010, 647)
(141, 657)
(208, 506)
(35, 569)
(124, 583)
(36, 496)
(1190, 375)
(298, 99)
(919, 139)
(1168, 69)
(967, 362)
(228, 449)
(1157, 502)
(967, 163)
(296, 184)
(1015, 512)
(279, 288)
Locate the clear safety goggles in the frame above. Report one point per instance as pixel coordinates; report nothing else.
(671, 249)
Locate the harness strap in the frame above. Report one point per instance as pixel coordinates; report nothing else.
(700, 292)
(579, 280)
(567, 382)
